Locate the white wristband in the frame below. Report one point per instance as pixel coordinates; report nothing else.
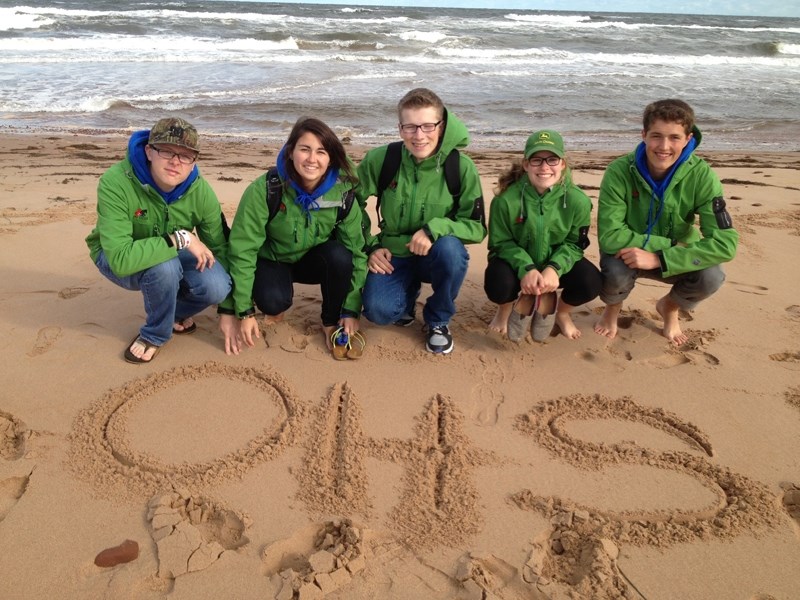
(184, 238)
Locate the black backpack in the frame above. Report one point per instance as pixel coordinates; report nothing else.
(391, 164)
(275, 192)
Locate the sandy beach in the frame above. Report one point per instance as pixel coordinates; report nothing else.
(582, 469)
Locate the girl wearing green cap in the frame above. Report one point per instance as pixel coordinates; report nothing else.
(538, 230)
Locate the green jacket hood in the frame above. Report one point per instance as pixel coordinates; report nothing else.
(697, 136)
(455, 134)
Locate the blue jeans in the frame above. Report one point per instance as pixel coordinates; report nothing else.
(389, 297)
(688, 289)
(173, 291)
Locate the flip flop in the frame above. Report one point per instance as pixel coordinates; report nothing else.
(186, 330)
(357, 344)
(129, 356)
(340, 343)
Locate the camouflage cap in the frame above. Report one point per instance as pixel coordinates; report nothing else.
(176, 131)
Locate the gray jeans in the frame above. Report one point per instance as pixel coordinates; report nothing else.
(688, 289)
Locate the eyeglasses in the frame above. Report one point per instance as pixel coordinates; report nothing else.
(168, 155)
(552, 161)
(410, 128)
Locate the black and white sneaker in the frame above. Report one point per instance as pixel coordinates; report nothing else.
(439, 340)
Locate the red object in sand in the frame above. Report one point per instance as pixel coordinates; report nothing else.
(125, 552)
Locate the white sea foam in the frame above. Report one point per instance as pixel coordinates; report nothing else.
(431, 37)
(10, 19)
(352, 63)
(791, 49)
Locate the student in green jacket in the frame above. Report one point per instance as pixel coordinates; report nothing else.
(538, 230)
(423, 228)
(304, 242)
(160, 231)
(649, 202)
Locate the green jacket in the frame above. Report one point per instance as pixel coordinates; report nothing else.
(288, 236)
(695, 191)
(526, 229)
(132, 218)
(418, 196)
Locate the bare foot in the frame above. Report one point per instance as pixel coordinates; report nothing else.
(672, 328)
(500, 321)
(140, 351)
(272, 319)
(181, 326)
(607, 325)
(327, 331)
(566, 324)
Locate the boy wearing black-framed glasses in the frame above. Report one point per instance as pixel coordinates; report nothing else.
(160, 230)
(423, 222)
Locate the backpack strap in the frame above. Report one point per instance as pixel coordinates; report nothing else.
(389, 168)
(452, 175)
(274, 193)
(391, 164)
(347, 204)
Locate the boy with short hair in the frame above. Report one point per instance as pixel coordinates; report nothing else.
(423, 228)
(160, 230)
(649, 200)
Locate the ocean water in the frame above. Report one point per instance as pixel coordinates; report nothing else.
(251, 68)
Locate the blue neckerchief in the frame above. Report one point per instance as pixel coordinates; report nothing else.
(141, 168)
(658, 187)
(307, 200)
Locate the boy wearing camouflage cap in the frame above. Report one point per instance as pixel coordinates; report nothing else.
(160, 230)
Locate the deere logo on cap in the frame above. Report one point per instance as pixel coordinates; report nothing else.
(544, 138)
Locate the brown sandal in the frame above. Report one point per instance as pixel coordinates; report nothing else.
(131, 358)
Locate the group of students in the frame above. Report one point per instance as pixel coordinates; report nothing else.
(160, 230)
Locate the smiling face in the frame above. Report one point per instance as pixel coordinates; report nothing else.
(311, 161)
(169, 173)
(420, 144)
(664, 141)
(545, 175)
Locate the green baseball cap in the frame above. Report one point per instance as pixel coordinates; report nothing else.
(546, 139)
(176, 131)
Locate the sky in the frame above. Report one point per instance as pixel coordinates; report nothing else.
(759, 8)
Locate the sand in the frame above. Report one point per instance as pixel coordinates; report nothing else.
(588, 468)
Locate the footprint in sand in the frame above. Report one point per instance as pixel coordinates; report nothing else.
(748, 288)
(791, 500)
(192, 532)
(602, 360)
(296, 344)
(487, 400)
(45, 340)
(486, 395)
(790, 360)
(793, 397)
(793, 312)
(11, 491)
(13, 434)
(669, 360)
(71, 292)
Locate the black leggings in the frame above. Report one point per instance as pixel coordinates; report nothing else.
(579, 285)
(330, 264)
